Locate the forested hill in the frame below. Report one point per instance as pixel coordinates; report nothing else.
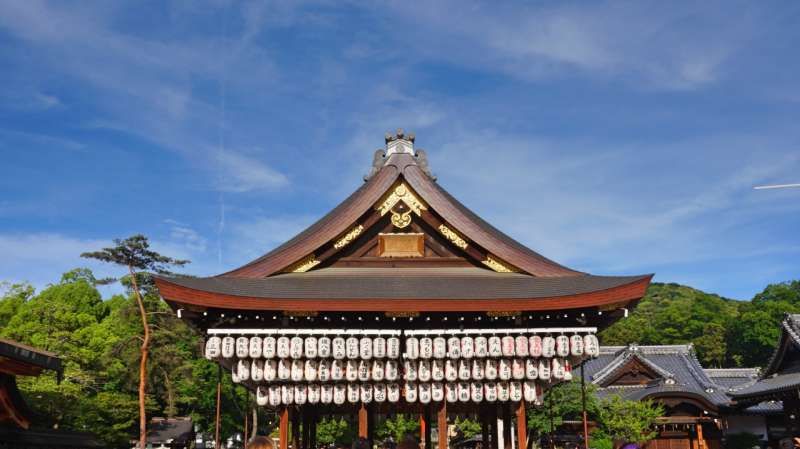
(725, 332)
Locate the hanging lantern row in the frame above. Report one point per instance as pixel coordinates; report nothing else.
(411, 392)
(366, 348)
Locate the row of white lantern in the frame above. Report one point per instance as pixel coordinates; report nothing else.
(366, 348)
(508, 346)
(295, 370)
(299, 394)
(338, 348)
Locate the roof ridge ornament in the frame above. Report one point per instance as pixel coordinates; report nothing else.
(400, 143)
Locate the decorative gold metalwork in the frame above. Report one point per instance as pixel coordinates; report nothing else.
(404, 194)
(503, 313)
(401, 220)
(452, 236)
(498, 266)
(305, 264)
(406, 314)
(349, 237)
(301, 313)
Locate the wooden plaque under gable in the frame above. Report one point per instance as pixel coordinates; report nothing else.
(401, 245)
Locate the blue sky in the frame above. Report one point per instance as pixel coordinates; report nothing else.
(614, 137)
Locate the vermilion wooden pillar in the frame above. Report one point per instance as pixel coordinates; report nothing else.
(522, 426)
(283, 432)
(363, 421)
(442, 424)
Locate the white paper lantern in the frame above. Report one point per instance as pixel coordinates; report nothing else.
(567, 370)
(314, 395)
(296, 347)
(393, 348)
(576, 345)
(392, 370)
(213, 348)
(518, 369)
(464, 370)
(365, 348)
(508, 346)
(339, 350)
(490, 391)
(437, 392)
(515, 391)
(300, 394)
(326, 393)
(298, 370)
(353, 393)
(548, 347)
(365, 391)
(521, 348)
(454, 347)
(544, 369)
(257, 370)
(531, 369)
(535, 345)
(424, 393)
(311, 371)
(274, 395)
(557, 370)
(282, 350)
(235, 374)
(270, 370)
(562, 346)
(287, 394)
(495, 346)
(477, 369)
(425, 348)
(393, 392)
(268, 351)
(529, 391)
(451, 392)
(262, 396)
(310, 347)
(256, 347)
(451, 370)
(424, 370)
(437, 370)
(503, 392)
(504, 369)
(324, 370)
(379, 348)
(351, 371)
(364, 370)
(468, 348)
(411, 372)
(476, 391)
(490, 372)
(379, 392)
(410, 392)
(228, 347)
(242, 347)
(352, 347)
(439, 347)
(339, 394)
(378, 370)
(338, 367)
(481, 347)
(323, 347)
(463, 392)
(412, 348)
(243, 370)
(591, 346)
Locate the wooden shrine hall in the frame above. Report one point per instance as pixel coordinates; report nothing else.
(402, 300)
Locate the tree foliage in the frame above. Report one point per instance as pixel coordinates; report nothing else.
(628, 421)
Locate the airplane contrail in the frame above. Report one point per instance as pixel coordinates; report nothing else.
(777, 186)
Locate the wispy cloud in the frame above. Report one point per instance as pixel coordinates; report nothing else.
(242, 173)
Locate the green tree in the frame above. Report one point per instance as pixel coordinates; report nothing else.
(466, 427)
(562, 402)
(397, 427)
(335, 431)
(135, 255)
(12, 298)
(628, 421)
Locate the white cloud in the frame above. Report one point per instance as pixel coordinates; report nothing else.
(242, 173)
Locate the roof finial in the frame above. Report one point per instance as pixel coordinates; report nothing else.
(399, 142)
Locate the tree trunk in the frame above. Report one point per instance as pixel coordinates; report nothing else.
(255, 423)
(142, 362)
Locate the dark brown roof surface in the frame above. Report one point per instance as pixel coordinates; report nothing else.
(391, 283)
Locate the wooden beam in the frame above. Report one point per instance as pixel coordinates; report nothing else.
(363, 421)
(283, 432)
(522, 426)
(442, 425)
